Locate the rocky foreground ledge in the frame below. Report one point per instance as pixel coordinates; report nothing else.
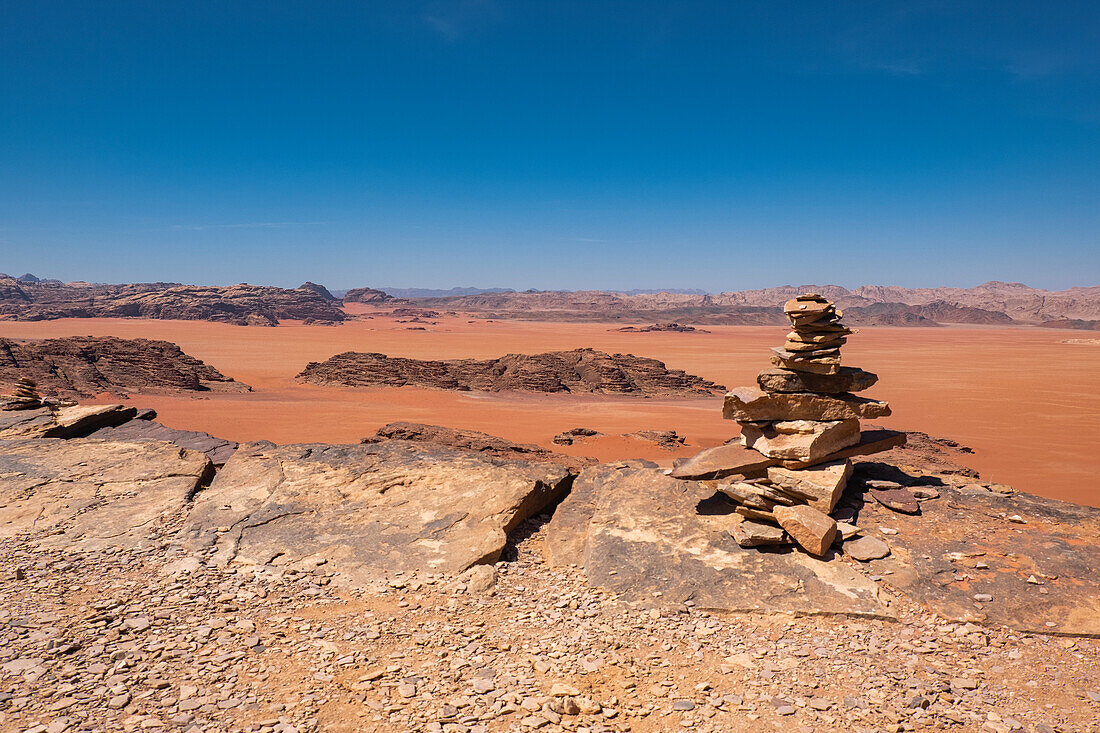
(424, 585)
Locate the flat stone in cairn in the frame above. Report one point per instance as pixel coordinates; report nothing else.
(722, 461)
(800, 440)
(820, 486)
(749, 404)
(804, 362)
(847, 379)
(811, 529)
(870, 441)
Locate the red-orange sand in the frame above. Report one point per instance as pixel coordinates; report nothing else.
(1026, 402)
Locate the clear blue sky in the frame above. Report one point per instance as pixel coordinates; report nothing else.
(718, 145)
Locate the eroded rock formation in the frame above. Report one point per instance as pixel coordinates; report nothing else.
(243, 305)
(580, 370)
(89, 365)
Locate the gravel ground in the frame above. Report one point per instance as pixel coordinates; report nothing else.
(149, 640)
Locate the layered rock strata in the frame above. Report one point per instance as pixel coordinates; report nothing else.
(242, 305)
(90, 365)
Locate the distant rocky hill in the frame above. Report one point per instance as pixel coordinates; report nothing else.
(580, 370)
(86, 365)
(991, 303)
(321, 290)
(245, 305)
(367, 295)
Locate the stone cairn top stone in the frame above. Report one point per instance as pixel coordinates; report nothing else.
(25, 396)
(800, 425)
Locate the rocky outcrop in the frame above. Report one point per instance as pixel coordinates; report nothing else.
(976, 552)
(395, 505)
(74, 421)
(218, 450)
(367, 295)
(320, 290)
(573, 435)
(89, 494)
(660, 541)
(578, 371)
(661, 327)
(469, 440)
(667, 439)
(89, 365)
(933, 314)
(243, 305)
(1072, 323)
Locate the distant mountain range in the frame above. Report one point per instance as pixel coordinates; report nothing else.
(989, 303)
(29, 298)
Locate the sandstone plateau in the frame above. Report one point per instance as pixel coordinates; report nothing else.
(577, 371)
(242, 305)
(87, 365)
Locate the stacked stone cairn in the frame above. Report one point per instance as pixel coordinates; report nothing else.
(24, 397)
(805, 418)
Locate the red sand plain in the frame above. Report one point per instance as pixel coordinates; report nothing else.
(1026, 402)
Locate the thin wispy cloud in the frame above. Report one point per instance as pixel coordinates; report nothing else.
(456, 19)
(244, 225)
(899, 68)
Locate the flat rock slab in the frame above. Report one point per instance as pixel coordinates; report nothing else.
(748, 404)
(639, 532)
(847, 379)
(722, 461)
(369, 508)
(876, 440)
(898, 499)
(935, 556)
(91, 494)
(67, 422)
(218, 450)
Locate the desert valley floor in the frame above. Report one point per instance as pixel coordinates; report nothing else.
(1027, 400)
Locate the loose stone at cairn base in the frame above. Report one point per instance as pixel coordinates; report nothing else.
(800, 440)
(808, 527)
(749, 533)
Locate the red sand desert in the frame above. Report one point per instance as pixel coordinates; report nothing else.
(1028, 403)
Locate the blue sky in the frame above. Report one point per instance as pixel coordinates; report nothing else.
(716, 145)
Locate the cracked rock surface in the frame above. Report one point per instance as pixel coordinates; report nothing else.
(396, 505)
(90, 494)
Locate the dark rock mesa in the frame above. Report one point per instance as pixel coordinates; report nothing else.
(577, 371)
(90, 365)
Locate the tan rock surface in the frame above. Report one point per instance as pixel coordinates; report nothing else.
(91, 494)
(390, 506)
(66, 422)
(660, 540)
